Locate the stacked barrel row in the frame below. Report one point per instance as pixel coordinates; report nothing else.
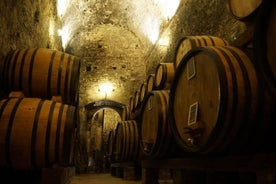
(123, 144)
(214, 100)
(222, 98)
(38, 112)
(148, 110)
(41, 72)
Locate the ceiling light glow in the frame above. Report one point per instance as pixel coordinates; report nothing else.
(151, 29)
(62, 6)
(168, 7)
(106, 88)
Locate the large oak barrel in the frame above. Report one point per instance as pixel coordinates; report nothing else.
(264, 44)
(188, 43)
(36, 133)
(155, 132)
(164, 74)
(217, 104)
(41, 73)
(126, 142)
(243, 10)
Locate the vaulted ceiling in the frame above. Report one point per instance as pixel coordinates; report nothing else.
(145, 19)
(113, 38)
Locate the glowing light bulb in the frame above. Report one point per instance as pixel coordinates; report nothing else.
(105, 88)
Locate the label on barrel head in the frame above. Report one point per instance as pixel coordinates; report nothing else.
(191, 68)
(192, 118)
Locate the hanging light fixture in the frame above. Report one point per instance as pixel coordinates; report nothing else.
(105, 89)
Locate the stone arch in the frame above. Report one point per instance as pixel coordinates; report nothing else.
(93, 107)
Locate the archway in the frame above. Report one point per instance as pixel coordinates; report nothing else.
(102, 117)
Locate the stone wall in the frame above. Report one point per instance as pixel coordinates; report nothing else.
(28, 23)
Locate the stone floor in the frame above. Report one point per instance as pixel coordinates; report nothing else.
(104, 178)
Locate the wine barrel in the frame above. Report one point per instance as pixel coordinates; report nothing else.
(150, 82)
(264, 44)
(41, 73)
(189, 42)
(16, 94)
(164, 74)
(244, 10)
(143, 92)
(216, 103)
(36, 133)
(125, 113)
(155, 132)
(131, 104)
(126, 142)
(136, 106)
(136, 102)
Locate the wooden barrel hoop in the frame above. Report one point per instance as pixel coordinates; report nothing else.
(189, 42)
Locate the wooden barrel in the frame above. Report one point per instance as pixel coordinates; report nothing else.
(126, 142)
(136, 106)
(143, 92)
(134, 141)
(16, 94)
(164, 74)
(155, 133)
(36, 133)
(131, 104)
(189, 42)
(264, 44)
(217, 104)
(133, 111)
(150, 82)
(125, 113)
(41, 73)
(243, 10)
(136, 102)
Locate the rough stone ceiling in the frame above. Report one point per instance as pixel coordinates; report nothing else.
(144, 18)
